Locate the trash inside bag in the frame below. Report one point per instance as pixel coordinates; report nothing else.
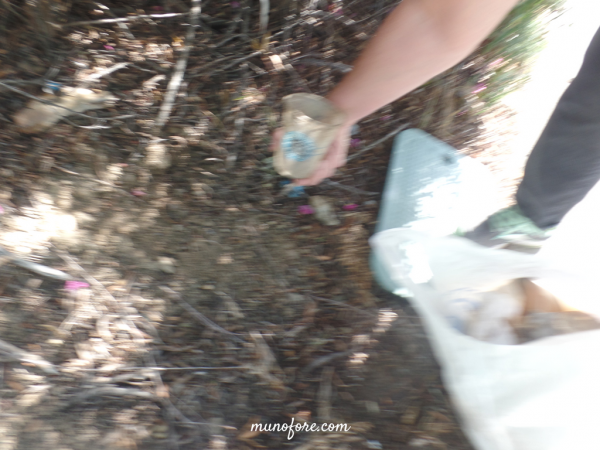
(541, 391)
(516, 335)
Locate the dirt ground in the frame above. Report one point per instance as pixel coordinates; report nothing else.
(206, 302)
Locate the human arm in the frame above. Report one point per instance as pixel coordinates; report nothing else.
(417, 41)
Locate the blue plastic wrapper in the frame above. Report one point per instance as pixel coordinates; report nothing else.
(52, 87)
(291, 192)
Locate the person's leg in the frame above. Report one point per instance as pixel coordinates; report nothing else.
(562, 168)
(565, 162)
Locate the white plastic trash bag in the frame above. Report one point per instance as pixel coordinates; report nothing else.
(542, 395)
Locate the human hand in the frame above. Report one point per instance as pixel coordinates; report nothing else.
(334, 158)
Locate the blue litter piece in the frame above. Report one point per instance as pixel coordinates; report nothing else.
(297, 192)
(431, 187)
(52, 87)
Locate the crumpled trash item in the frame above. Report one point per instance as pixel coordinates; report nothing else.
(38, 116)
(324, 210)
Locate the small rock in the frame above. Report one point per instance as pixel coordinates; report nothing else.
(34, 283)
(167, 265)
(225, 259)
(324, 210)
(372, 407)
(160, 431)
(157, 156)
(207, 287)
(295, 298)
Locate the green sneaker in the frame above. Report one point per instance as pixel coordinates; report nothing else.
(509, 226)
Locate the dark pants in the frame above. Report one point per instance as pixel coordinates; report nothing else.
(565, 163)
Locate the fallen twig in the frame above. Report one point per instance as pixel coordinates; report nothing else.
(377, 142)
(109, 70)
(324, 360)
(345, 305)
(225, 41)
(324, 394)
(121, 19)
(239, 60)
(307, 61)
(349, 188)
(175, 82)
(264, 15)
(267, 365)
(160, 369)
(34, 267)
(112, 391)
(122, 25)
(10, 351)
(197, 315)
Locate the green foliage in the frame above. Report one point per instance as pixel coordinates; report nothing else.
(511, 49)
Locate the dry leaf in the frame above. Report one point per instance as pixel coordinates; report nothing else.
(15, 385)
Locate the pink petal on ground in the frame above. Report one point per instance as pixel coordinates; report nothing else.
(109, 47)
(306, 209)
(75, 285)
(138, 193)
(350, 207)
(480, 87)
(355, 142)
(496, 62)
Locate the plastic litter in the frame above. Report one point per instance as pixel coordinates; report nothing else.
(310, 124)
